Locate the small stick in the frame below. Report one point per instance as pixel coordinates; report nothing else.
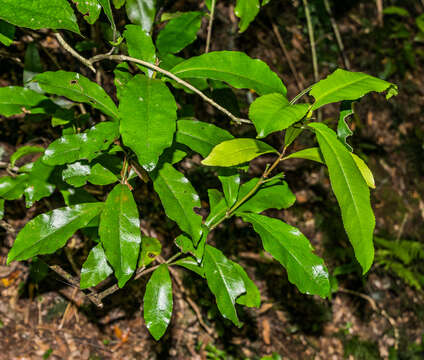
(380, 12)
(75, 54)
(208, 39)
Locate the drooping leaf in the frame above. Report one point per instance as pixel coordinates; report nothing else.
(179, 32)
(252, 297)
(157, 302)
(236, 152)
(108, 11)
(291, 248)
(39, 14)
(142, 12)
(218, 207)
(346, 85)
(119, 232)
(48, 232)
(90, 9)
(225, 282)
(86, 145)
(23, 151)
(274, 194)
(191, 264)
(230, 180)
(235, 68)
(150, 249)
(178, 198)
(273, 112)
(352, 194)
(95, 269)
(148, 119)
(246, 10)
(200, 136)
(77, 88)
(186, 245)
(15, 99)
(140, 46)
(7, 33)
(343, 130)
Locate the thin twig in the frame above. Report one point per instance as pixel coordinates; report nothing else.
(75, 54)
(336, 31)
(374, 306)
(209, 36)
(171, 76)
(380, 18)
(288, 57)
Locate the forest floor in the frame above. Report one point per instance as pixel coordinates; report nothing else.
(365, 317)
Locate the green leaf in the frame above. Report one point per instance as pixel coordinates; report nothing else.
(140, 46)
(157, 302)
(86, 145)
(225, 282)
(236, 152)
(246, 10)
(148, 119)
(32, 67)
(352, 194)
(235, 68)
(343, 130)
(77, 88)
(186, 245)
(39, 14)
(230, 180)
(142, 12)
(1, 208)
(396, 10)
(365, 171)
(150, 249)
(7, 33)
(200, 136)
(78, 173)
(119, 232)
(118, 3)
(218, 207)
(291, 135)
(273, 112)
(23, 151)
(179, 32)
(274, 194)
(346, 85)
(108, 11)
(12, 188)
(122, 77)
(95, 269)
(74, 196)
(293, 250)
(90, 9)
(252, 298)
(48, 232)
(313, 154)
(191, 264)
(14, 99)
(178, 198)
(38, 185)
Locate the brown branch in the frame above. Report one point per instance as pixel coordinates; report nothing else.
(209, 36)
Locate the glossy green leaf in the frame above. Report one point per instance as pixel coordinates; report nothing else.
(90, 9)
(246, 10)
(179, 32)
(142, 12)
(15, 99)
(77, 88)
(191, 264)
(252, 297)
(273, 112)
(274, 194)
(148, 119)
(218, 207)
(108, 11)
(200, 136)
(293, 250)
(235, 68)
(150, 249)
(95, 269)
(122, 77)
(32, 67)
(365, 171)
(236, 152)
(78, 173)
(39, 14)
(73, 196)
(1, 208)
(186, 245)
(157, 302)
(343, 130)
(86, 145)
(12, 188)
(140, 46)
(119, 232)
(178, 198)
(346, 85)
(291, 135)
(225, 282)
(38, 185)
(23, 151)
(48, 232)
(7, 33)
(352, 194)
(230, 180)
